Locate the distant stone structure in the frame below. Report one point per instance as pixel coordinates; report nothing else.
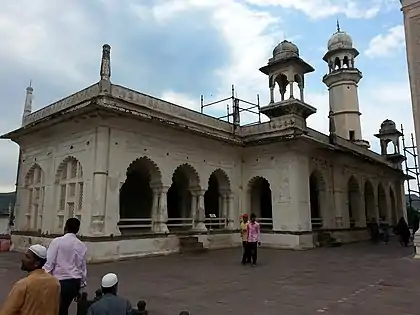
(141, 172)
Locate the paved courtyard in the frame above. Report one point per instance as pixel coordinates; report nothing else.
(354, 279)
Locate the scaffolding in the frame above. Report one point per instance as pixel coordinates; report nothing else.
(411, 167)
(235, 113)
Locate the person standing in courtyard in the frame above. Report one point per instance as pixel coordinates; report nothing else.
(110, 303)
(404, 232)
(38, 293)
(244, 236)
(66, 260)
(253, 239)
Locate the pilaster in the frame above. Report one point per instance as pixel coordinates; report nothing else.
(100, 181)
(291, 209)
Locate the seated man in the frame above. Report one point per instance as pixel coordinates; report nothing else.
(110, 303)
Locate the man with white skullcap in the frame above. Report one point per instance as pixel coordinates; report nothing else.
(39, 292)
(110, 303)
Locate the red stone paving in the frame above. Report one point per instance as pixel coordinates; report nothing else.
(354, 279)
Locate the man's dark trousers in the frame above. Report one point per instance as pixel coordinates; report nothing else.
(246, 258)
(69, 290)
(252, 252)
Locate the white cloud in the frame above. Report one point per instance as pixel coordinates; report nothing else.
(249, 32)
(384, 45)
(317, 9)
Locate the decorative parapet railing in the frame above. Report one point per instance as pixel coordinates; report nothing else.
(70, 101)
(317, 223)
(135, 223)
(266, 223)
(180, 223)
(167, 108)
(215, 223)
(347, 145)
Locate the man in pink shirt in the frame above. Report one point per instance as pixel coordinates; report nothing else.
(253, 238)
(66, 260)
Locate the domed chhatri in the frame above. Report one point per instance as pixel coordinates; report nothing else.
(388, 125)
(340, 40)
(285, 50)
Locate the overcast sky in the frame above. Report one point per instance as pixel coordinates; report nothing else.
(180, 49)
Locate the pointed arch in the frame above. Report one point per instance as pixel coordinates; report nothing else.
(182, 200)
(35, 174)
(369, 199)
(353, 201)
(317, 188)
(35, 191)
(69, 187)
(260, 200)
(346, 62)
(191, 174)
(382, 203)
(337, 63)
(70, 166)
(145, 163)
(222, 178)
(136, 200)
(393, 206)
(216, 199)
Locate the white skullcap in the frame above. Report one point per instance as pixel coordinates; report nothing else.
(109, 280)
(39, 250)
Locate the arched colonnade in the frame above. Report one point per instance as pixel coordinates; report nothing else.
(362, 203)
(146, 203)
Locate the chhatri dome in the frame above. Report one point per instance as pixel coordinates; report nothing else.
(285, 50)
(339, 40)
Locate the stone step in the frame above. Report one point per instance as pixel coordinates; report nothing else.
(188, 240)
(190, 245)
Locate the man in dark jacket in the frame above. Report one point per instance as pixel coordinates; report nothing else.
(110, 303)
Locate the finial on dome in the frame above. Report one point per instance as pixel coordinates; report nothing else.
(338, 26)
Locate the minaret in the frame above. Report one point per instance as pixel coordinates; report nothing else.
(28, 102)
(342, 80)
(105, 72)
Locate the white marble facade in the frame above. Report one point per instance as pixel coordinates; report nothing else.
(139, 171)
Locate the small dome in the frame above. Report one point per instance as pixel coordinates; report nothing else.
(388, 125)
(285, 50)
(340, 40)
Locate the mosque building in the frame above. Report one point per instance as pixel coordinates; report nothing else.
(146, 176)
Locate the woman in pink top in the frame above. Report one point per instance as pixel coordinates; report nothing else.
(253, 238)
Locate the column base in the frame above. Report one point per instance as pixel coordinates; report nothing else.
(231, 225)
(160, 227)
(200, 227)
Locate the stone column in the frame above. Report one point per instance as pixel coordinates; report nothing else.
(291, 89)
(302, 95)
(100, 181)
(161, 216)
(230, 212)
(200, 213)
(193, 207)
(272, 94)
(155, 206)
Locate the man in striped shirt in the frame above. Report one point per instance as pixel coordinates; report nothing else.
(253, 238)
